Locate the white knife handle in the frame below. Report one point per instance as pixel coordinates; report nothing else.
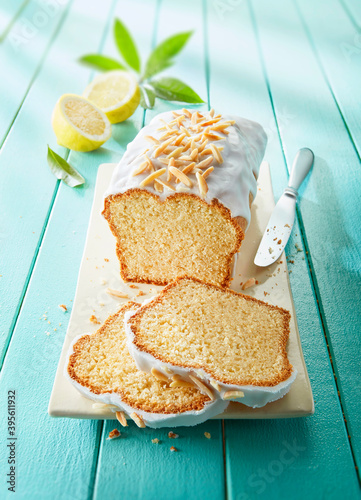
(301, 166)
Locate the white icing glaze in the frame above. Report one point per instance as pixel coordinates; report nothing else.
(154, 420)
(254, 396)
(230, 183)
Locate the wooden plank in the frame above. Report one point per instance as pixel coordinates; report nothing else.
(237, 85)
(23, 166)
(330, 206)
(22, 53)
(134, 467)
(353, 10)
(337, 45)
(151, 469)
(9, 11)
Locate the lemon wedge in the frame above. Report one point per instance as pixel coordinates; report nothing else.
(116, 93)
(79, 125)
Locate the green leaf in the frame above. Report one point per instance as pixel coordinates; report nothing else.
(161, 56)
(147, 97)
(102, 63)
(62, 170)
(172, 89)
(126, 45)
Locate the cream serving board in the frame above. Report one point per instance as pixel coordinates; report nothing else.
(99, 271)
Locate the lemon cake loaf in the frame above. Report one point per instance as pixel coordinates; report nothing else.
(229, 345)
(100, 367)
(179, 200)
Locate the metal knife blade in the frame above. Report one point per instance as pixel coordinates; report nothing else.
(278, 231)
(280, 225)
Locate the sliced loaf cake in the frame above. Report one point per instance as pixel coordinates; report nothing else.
(101, 368)
(179, 200)
(226, 343)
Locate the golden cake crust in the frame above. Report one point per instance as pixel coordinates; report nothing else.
(239, 224)
(196, 402)
(286, 372)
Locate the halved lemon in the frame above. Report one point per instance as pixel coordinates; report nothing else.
(79, 125)
(116, 93)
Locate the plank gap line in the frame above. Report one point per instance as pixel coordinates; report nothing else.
(8, 28)
(350, 15)
(93, 481)
(38, 68)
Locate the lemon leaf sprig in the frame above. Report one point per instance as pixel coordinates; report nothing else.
(161, 58)
(63, 170)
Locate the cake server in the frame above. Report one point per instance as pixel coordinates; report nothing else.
(280, 225)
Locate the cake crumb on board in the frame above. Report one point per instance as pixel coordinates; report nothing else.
(63, 307)
(155, 441)
(172, 448)
(172, 435)
(207, 435)
(113, 434)
(93, 319)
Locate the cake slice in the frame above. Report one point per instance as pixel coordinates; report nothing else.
(100, 367)
(179, 200)
(228, 344)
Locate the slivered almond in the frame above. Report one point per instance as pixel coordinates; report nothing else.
(250, 282)
(207, 172)
(162, 147)
(177, 152)
(142, 168)
(167, 370)
(180, 119)
(187, 169)
(215, 385)
(102, 406)
(202, 387)
(187, 145)
(233, 395)
(170, 164)
(182, 177)
(194, 154)
(194, 118)
(185, 131)
(181, 384)
(167, 125)
(180, 139)
(203, 145)
(211, 122)
(151, 139)
(205, 163)
(216, 153)
(212, 137)
(158, 187)
(166, 184)
(138, 420)
(159, 375)
(165, 161)
(186, 158)
(205, 152)
(211, 113)
(121, 418)
(175, 113)
(167, 134)
(203, 186)
(152, 176)
(219, 127)
(117, 293)
(187, 113)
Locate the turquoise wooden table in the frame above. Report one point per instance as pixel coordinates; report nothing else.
(292, 65)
